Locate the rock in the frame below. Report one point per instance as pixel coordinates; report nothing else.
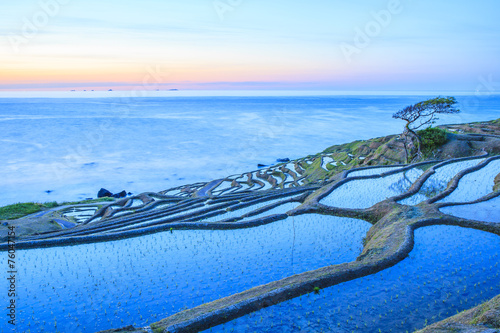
(261, 165)
(104, 193)
(496, 183)
(122, 194)
(283, 160)
(49, 191)
(129, 193)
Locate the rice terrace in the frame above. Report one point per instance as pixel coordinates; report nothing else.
(357, 238)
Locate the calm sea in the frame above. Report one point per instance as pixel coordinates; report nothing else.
(61, 149)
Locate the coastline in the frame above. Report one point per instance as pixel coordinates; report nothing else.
(389, 241)
(74, 161)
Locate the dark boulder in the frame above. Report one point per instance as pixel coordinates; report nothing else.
(283, 160)
(261, 165)
(104, 193)
(122, 194)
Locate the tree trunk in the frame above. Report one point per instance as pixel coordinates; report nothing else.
(404, 136)
(419, 140)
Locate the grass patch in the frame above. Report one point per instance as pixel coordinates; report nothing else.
(18, 210)
(330, 167)
(432, 138)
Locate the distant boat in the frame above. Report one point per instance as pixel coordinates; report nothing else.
(110, 90)
(173, 89)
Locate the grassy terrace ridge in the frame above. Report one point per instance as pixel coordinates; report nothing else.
(23, 216)
(15, 211)
(18, 210)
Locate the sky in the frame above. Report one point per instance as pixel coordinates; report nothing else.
(368, 45)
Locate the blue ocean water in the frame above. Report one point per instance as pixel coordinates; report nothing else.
(68, 148)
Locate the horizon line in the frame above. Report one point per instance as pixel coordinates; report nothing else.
(226, 92)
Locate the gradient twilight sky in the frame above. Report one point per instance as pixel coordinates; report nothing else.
(427, 45)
